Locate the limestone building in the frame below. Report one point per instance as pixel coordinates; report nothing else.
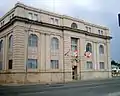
(39, 46)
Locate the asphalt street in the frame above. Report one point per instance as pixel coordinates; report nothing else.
(108, 87)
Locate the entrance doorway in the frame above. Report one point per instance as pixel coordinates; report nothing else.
(74, 72)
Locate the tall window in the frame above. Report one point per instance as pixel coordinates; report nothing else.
(10, 41)
(101, 49)
(52, 20)
(89, 65)
(86, 28)
(36, 17)
(10, 64)
(33, 40)
(89, 29)
(54, 43)
(89, 47)
(0, 65)
(1, 45)
(56, 21)
(12, 15)
(55, 64)
(74, 25)
(30, 15)
(74, 43)
(101, 65)
(99, 32)
(32, 64)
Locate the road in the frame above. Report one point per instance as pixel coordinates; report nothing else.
(108, 87)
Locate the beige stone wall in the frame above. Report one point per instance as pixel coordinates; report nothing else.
(87, 75)
(44, 54)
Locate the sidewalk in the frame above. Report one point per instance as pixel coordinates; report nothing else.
(64, 83)
(31, 88)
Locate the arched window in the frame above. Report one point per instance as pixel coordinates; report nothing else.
(54, 43)
(1, 45)
(33, 40)
(74, 25)
(89, 47)
(101, 49)
(11, 41)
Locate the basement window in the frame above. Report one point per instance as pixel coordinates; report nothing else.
(10, 64)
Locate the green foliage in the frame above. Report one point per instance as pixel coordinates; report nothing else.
(114, 63)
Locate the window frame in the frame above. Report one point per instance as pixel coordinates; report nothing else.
(86, 28)
(74, 45)
(1, 65)
(54, 44)
(10, 64)
(35, 17)
(101, 32)
(52, 20)
(1, 45)
(101, 65)
(32, 63)
(55, 64)
(101, 49)
(89, 48)
(33, 40)
(74, 25)
(89, 65)
(90, 29)
(10, 41)
(30, 15)
(56, 21)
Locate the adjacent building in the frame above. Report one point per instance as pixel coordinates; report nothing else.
(41, 46)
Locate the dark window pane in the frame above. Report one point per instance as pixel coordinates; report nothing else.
(33, 40)
(32, 63)
(10, 41)
(89, 47)
(1, 45)
(54, 43)
(10, 64)
(101, 65)
(101, 49)
(74, 25)
(54, 64)
(0, 65)
(89, 65)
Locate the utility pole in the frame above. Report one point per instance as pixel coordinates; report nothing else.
(26, 67)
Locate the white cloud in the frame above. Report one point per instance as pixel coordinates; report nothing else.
(87, 4)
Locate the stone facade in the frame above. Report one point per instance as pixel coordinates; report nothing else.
(22, 21)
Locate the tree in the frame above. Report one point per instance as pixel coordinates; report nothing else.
(114, 63)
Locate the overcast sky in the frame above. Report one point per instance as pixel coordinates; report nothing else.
(102, 12)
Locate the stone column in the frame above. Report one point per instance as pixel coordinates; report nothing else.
(5, 53)
(67, 58)
(108, 58)
(42, 52)
(47, 51)
(18, 48)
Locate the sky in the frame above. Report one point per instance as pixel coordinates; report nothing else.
(101, 12)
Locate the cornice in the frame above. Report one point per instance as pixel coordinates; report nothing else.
(62, 28)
